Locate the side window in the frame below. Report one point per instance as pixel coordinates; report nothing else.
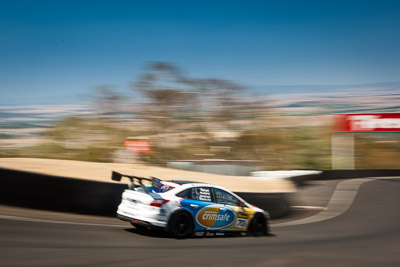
(225, 198)
(201, 194)
(185, 193)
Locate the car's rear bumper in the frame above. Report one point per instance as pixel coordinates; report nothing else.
(153, 216)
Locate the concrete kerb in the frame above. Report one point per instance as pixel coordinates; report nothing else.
(300, 178)
(345, 174)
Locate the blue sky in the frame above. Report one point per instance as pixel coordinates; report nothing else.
(57, 51)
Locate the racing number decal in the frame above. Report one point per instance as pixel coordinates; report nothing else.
(243, 218)
(241, 223)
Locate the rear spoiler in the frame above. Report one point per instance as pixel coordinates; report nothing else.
(156, 183)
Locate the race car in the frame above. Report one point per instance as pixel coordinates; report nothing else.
(185, 209)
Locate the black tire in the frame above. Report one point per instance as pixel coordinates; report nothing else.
(258, 226)
(181, 225)
(139, 227)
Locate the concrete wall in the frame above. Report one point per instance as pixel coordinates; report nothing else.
(65, 194)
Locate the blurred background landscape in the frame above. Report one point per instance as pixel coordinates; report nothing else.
(189, 118)
(229, 80)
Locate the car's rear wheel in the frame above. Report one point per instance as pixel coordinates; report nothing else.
(181, 225)
(258, 226)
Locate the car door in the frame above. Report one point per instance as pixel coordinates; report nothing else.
(200, 202)
(229, 201)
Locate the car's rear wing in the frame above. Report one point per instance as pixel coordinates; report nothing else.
(156, 183)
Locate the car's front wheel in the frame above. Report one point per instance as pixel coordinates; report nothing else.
(258, 225)
(181, 225)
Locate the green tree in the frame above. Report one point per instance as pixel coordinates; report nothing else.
(174, 95)
(108, 103)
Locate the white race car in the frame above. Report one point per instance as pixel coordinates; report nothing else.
(187, 208)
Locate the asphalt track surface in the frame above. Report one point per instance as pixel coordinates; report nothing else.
(366, 234)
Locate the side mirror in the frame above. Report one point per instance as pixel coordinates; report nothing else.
(241, 203)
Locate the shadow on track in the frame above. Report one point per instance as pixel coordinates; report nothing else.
(148, 232)
(162, 234)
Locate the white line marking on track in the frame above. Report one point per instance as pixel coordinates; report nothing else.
(340, 201)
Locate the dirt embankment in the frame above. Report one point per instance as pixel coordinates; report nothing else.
(102, 172)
